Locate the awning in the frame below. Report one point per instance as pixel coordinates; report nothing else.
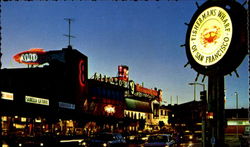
(136, 105)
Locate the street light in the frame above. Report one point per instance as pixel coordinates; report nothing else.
(203, 112)
(236, 95)
(194, 84)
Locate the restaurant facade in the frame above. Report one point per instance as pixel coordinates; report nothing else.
(55, 95)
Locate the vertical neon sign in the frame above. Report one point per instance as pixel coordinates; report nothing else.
(81, 69)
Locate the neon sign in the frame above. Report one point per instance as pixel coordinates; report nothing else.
(33, 56)
(7, 96)
(113, 80)
(36, 100)
(141, 89)
(81, 73)
(123, 73)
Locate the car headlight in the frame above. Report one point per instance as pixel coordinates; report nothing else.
(190, 137)
(5, 145)
(131, 137)
(83, 143)
(104, 144)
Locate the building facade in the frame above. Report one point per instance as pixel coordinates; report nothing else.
(59, 98)
(44, 99)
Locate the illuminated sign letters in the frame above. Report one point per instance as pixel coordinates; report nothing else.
(141, 89)
(132, 87)
(82, 73)
(211, 36)
(66, 105)
(29, 57)
(114, 81)
(216, 38)
(33, 56)
(7, 96)
(36, 100)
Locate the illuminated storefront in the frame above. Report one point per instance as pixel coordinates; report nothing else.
(237, 121)
(160, 121)
(105, 100)
(142, 107)
(54, 95)
(136, 113)
(46, 97)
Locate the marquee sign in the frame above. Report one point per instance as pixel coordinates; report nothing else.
(67, 105)
(36, 100)
(110, 80)
(7, 95)
(216, 38)
(132, 88)
(139, 88)
(33, 56)
(140, 91)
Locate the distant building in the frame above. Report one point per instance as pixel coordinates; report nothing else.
(186, 117)
(237, 121)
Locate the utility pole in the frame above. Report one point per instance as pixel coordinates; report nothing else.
(237, 129)
(194, 92)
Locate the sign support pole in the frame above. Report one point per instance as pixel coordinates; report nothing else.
(216, 105)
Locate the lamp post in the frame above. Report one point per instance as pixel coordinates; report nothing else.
(204, 109)
(194, 84)
(236, 95)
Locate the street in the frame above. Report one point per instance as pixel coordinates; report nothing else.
(189, 144)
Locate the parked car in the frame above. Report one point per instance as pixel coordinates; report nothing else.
(106, 140)
(164, 140)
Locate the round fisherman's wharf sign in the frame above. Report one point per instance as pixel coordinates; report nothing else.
(216, 37)
(211, 36)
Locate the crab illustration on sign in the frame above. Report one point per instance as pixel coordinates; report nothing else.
(210, 35)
